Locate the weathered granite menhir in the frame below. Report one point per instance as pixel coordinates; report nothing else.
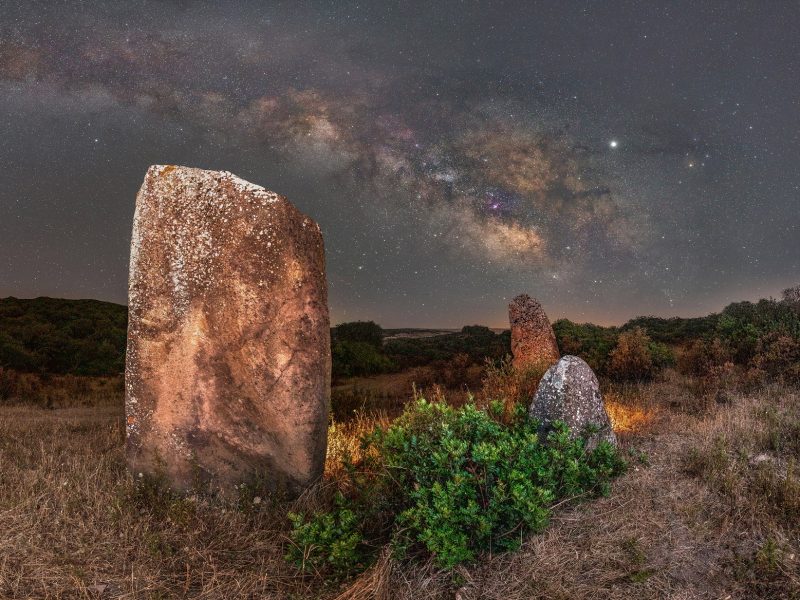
(533, 343)
(228, 364)
(569, 392)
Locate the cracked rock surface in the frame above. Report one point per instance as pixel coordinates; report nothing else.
(228, 360)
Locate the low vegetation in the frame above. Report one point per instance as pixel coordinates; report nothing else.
(423, 500)
(452, 482)
(53, 336)
(87, 337)
(473, 341)
(707, 508)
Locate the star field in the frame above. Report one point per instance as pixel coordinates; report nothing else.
(612, 159)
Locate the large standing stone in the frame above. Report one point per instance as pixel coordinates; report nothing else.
(228, 364)
(533, 343)
(570, 392)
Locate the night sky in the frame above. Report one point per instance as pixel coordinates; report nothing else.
(612, 159)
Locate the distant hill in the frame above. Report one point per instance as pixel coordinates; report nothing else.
(51, 335)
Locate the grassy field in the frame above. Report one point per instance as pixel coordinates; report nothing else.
(710, 508)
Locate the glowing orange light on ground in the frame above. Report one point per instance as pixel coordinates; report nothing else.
(625, 418)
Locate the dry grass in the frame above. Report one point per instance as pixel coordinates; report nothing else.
(665, 532)
(709, 509)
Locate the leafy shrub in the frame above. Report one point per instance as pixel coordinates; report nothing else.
(365, 332)
(778, 356)
(451, 482)
(331, 540)
(637, 357)
(593, 343)
(49, 335)
(702, 356)
(764, 338)
(352, 359)
(742, 324)
(661, 355)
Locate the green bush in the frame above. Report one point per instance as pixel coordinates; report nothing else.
(50, 335)
(330, 540)
(366, 332)
(351, 359)
(593, 343)
(742, 324)
(661, 356)
(637, 357)
(451, 482)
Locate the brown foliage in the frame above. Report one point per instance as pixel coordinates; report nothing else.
(701, 356)
(631, 358)
(502, 381)
(778, 356)
(59, 391)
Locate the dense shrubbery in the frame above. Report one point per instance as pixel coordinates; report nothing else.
(741, 325)
(363, 332)
(475, 341)
(762, 339)
(451, 482)
(357, 350)
(87, 337)
(636, 357)
(48, 335)
(702, 356)
(627, 353)
(593, 343)
(352, 359)
(675, 330)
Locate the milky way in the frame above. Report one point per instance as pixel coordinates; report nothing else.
(612, 160)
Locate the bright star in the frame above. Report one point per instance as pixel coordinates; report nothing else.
(613, 143)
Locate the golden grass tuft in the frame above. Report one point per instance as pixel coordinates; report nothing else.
(628, 419)
(374, 583)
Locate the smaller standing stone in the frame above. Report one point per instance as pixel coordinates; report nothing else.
(569, 392)
(533, 343)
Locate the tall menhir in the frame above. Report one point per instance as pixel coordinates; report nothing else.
(533, 342)
(228, 364)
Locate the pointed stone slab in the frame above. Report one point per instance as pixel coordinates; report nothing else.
(228, 362)
(533, 343)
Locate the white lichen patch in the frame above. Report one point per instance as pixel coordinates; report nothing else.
(200, 219)
(246, 186)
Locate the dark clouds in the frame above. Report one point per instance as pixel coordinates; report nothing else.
(453, 155)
